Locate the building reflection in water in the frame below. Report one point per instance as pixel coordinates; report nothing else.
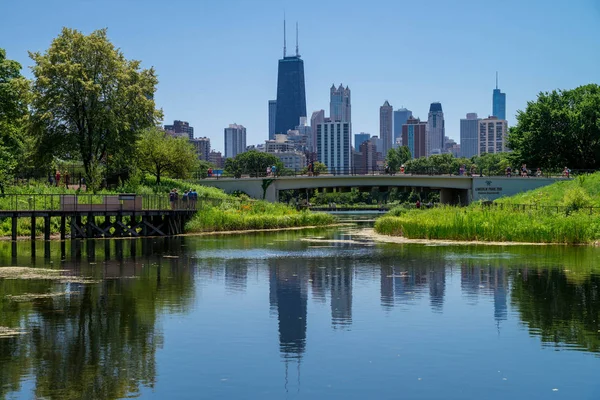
(487, 280)
(236, 275)
(405, 282)
(333, 277)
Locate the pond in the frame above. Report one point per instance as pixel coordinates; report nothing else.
(313, 314)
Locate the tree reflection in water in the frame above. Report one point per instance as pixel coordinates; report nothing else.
(99, 340)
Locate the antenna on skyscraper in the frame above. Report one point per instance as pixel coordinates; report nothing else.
(284, 44)
(297, 55)
(496, 79)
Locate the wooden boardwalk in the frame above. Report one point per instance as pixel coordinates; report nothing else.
(90, 216)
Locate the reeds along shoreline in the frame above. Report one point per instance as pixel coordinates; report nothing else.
(484, 224)
(253, 215)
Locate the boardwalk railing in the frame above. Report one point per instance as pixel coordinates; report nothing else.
(99, 202)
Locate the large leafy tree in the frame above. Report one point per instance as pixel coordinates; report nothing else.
(560, 128)
(13, 115)
(89, 101)
(253, 163)
(160, 154)
(396, 157)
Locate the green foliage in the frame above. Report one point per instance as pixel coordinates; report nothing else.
(437, 164)
(158, 154)
(13, 117)
(203, 167)
(253, 163)
(561, 128)
(492, 224)
(491, 164)
(89, 101)
(396, 157)
(244, 215)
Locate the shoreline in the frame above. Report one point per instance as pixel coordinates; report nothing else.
(378, 237)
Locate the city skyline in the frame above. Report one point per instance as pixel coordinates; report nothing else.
(199, 87)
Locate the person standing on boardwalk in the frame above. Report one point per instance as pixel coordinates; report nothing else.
(173, 197)
(57, 177)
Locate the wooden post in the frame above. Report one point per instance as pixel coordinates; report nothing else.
(33, 226)
(14, 227)
(63, 227)
(47, 228)
(90, 220)
(144, 227)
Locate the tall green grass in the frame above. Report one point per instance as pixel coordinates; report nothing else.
(490, 224)
(245, 215)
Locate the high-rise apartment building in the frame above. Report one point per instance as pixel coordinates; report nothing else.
(202, 147)
(435, 129)
(180, 128)
(291, 97)
(368, 158)
(400, 117)
(235, 140)
(414, 136)
(469, 136)
(318, 117)
(216, 158)
(334, 145)
(339, 104)
(359, 138)
(385, 126)
(492, 135)
(272, 114)
(498, 102)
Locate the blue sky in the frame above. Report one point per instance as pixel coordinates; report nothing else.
(217, 60)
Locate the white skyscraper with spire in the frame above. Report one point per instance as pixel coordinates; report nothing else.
(339, 104)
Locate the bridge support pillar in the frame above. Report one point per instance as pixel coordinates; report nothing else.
(33, 220)
(14, 227)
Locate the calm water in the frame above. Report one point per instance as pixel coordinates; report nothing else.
(302, 315)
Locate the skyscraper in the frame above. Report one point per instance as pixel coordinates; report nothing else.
(235, 140)
(272, 114)
(492, 135)
(498, 102)
(400, 117)
(339, 104)
(202, 147)
(181, 128)
(318, 117)
(359, 138)
(385, 126)
(291, 98)
(469, 136)
(435, 129)
(414, 136)
(334, 145)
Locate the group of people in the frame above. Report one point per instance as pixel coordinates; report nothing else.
(54, 180)
(272, 171)
(188, 199)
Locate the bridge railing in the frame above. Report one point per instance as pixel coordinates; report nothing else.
(99, 202)
(413, 171)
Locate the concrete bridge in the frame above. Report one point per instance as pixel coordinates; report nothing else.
(453, 189)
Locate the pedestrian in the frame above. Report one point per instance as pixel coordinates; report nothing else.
(566, 172)
(418, 204)
(274, 171)
(310, 169)
(57, 178)
(268, 171)
(50, 179)
(173, 196)
(184, 199)
(193, 197)
(402, 169)
(67, 179)
(461, 170)
(538, 173)
(524, 170)
(473, 170)
(508, 171)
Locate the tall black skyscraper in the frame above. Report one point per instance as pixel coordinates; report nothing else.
(291, 98)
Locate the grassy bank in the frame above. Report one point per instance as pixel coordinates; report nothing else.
(231, 213)
(246, 215)
(573, 224)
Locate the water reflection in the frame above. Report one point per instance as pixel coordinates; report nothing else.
(100, 340)
(95, 341)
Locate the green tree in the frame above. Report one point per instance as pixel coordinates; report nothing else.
(491, 164)
(89, 100)
(396, 157)
(13, 117)
(160, 154)
(253, 163)
(561, 128)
